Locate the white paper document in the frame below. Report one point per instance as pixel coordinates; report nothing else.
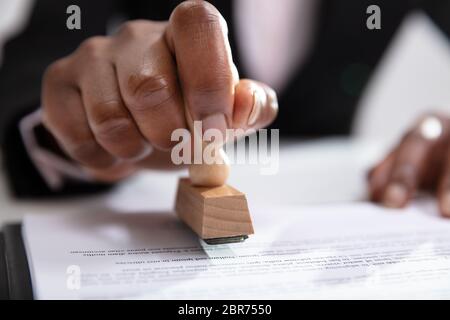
(334, 251)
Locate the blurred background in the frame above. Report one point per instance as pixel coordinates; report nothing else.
(411, 77)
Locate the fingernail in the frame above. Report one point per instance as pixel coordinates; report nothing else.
(445, 205)
(215, 121)
(395, 196)
(259, 99)
(273, 100)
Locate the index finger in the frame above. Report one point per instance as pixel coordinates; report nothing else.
(197, 36)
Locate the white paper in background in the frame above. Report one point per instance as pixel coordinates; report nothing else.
(413, 78)
(340, 251)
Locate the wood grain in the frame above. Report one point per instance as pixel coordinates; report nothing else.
(213, 212)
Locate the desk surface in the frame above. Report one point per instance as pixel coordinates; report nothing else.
(331, 170)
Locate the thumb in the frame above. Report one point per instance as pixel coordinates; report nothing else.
(255, 105)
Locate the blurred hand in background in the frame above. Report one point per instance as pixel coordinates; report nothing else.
(421, 161)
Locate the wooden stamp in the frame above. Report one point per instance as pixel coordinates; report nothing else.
(217, 212)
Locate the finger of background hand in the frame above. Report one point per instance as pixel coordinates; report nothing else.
(408, 169)
(148, 83)
(110, 121)
(444, 184)
(379, 176)
(64, 116)
(444, 192)
(197, 35)
(255, 105)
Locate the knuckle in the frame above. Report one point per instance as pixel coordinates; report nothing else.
(196, 12)
(113, 129)
(94, 47)
(117, 136)
(130, 29)
(136, 28)
(211, 93)
(149, 92)
(56, 71)
(105, 111)
(215, 82)
(111, 126)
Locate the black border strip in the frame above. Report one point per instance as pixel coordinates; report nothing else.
(18, 272)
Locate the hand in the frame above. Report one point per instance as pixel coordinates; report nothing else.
(420, 161)
(117, 98)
